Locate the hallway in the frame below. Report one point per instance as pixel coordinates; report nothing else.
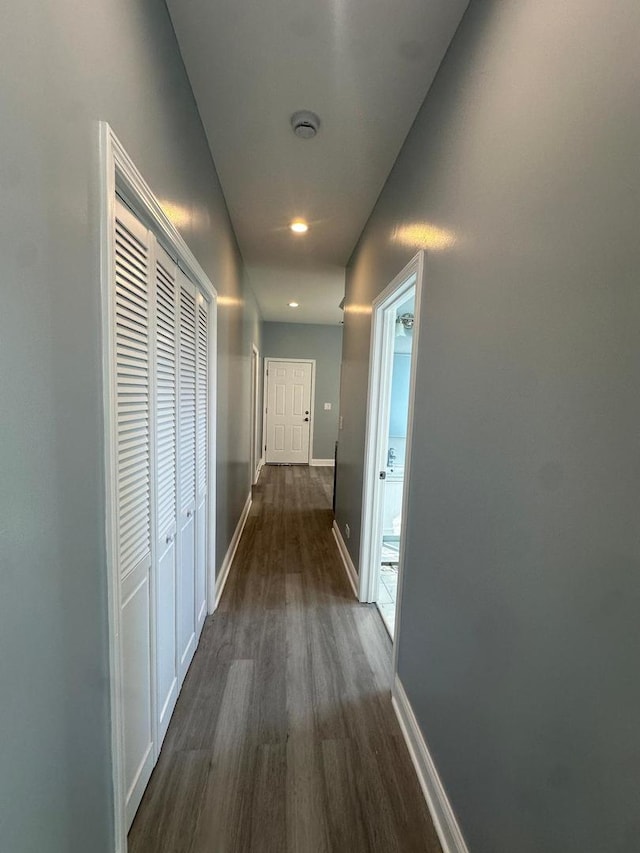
(284, 737)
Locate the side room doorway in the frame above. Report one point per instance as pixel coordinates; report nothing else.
(288, 413)
(394, 339)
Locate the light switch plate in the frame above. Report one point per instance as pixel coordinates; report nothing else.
(327, 407)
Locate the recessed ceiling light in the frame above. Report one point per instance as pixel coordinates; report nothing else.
(299, 227)
(294, 304)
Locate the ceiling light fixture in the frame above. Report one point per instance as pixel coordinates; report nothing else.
(305, 124)
(294, 304)
(299, 227)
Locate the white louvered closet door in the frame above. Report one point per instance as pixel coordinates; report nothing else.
(187, 371)
(202, 458)
(166, 384)
(132, 452)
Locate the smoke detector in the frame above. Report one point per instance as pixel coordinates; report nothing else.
(305, 124)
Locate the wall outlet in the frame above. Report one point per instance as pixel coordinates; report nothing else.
(340, 424)
(347, 531)
(327, 407)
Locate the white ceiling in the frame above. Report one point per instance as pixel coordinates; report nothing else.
(364, 66)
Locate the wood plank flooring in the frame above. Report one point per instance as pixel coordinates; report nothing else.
(284, 739)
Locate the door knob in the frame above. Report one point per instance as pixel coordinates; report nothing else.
(189, 513)
(306, 419)
(307, 412)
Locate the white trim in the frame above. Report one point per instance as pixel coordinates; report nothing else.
(260, 467)
(323, 463)
(133, 186)
(254, 405)
(225, 568)
(347, 562)
(442, 814)
(212, 468)
(378, 398)
(118, 173)
(107, 273)
(312, 416)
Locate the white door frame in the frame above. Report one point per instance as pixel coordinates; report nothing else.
(310, 361)
(254, 459)
(118, 173)
(378, 401)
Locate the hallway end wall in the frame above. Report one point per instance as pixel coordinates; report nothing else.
(519, 641)
(324, 344)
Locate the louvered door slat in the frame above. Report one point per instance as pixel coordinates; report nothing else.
(165, 396)
(165, 392)
(202, 396)
(187, 408)
(132, 392)
(186, 332)
(202, 437)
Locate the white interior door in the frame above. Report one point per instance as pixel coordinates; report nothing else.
(166, 461)
(159, 351)
(288, 411)
(186, 550)
(202, 461)
(132, 380)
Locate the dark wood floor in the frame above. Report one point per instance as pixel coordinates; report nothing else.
(284, 738)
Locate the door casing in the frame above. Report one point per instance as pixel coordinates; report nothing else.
(254, 408)
(382, 334)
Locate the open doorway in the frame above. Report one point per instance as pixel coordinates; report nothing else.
(390, 405)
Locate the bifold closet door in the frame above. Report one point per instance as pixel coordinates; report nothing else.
(202, 460)
(160, 392)
(132, 453)
(166, 487)
(186, 550)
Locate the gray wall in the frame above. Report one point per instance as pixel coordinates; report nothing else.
(252, 336)
(239, 325)
(65, 66)
(519, 641)
(324, 343)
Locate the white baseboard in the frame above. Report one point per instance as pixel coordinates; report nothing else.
(442, 814)
(322, 463)
(347, 562)
(221, 578)
(259, 468)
